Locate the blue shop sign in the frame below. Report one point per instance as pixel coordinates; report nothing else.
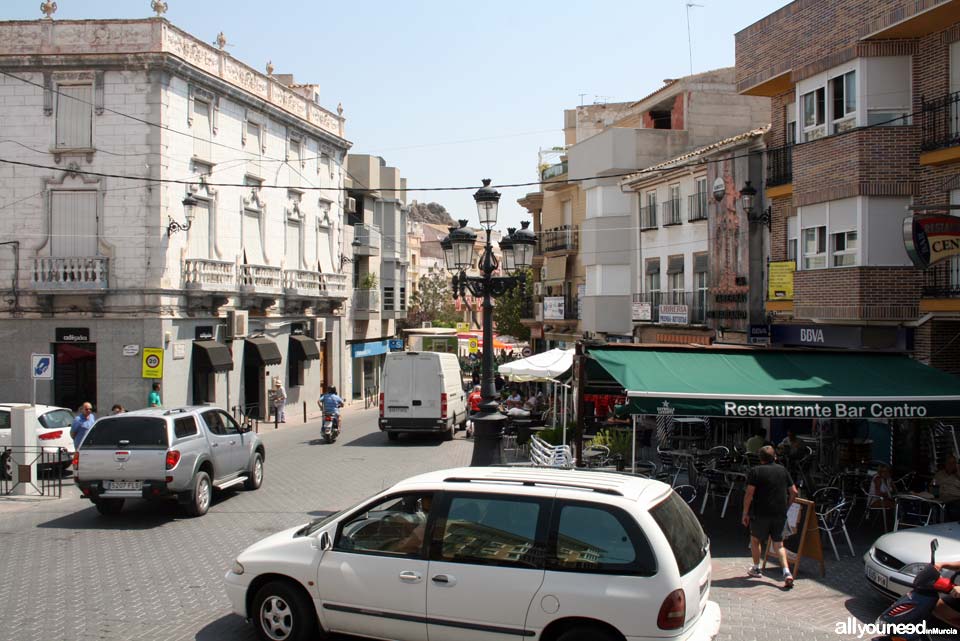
(361, 350)
(396, 344)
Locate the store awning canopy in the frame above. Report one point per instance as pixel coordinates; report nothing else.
(303, 348)
(264, 351)
(780, 384)
(546, 366)
(212, 356)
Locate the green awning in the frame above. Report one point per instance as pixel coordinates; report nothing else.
(766, 383)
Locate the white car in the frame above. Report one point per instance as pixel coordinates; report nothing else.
(894, 559)
(488, 554)
(53, 435)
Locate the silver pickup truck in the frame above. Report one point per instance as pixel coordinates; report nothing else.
(181, 453)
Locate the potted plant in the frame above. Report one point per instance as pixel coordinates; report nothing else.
(369, 281)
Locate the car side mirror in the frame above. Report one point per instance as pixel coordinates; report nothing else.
(325, 543)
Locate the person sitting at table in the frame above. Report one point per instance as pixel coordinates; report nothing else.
(755, 442)
(948, 481)
(514, 400)
(881, 489)
(619, 415)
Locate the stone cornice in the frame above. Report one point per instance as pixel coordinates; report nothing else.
(39, 43)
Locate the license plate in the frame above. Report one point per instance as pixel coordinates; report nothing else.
(126, 485)
(398, 410)
(879, 579)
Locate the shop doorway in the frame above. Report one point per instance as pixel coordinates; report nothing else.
(253, 378)
(75, 374)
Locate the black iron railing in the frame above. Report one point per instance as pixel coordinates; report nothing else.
(648, 217)
(563, 238)
(528, 309)
(695, 303)
(941, 122)
(780, 166)
(942, 280)
(697, 206)
(51, 463)
(671, 212)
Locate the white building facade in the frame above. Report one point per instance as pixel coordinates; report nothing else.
(171, 189)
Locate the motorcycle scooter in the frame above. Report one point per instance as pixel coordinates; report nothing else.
(917, 606)
(331, 427)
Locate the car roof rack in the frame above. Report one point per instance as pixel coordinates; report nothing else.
(176, 410)
(532, 483)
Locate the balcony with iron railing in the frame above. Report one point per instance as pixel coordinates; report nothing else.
(68, 274)
(942, 280)
(553, 171)
(205, 275)
(695, 303)
(528, 309)
(780, 166)
(648, 217)
(565, 238)
(261, 279)
(367, 240)
(366, 302)
(561, 308)
(671, 212)
(941, 122)
(697, 206)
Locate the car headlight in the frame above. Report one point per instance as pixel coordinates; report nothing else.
(237, 567)
(912, 569)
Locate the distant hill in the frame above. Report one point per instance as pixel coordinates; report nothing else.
(433, 213)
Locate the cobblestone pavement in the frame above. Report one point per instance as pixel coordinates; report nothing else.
(152, 573)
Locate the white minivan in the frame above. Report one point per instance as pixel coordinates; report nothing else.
(422, 392)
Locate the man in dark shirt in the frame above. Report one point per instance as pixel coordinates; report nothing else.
(770, 491)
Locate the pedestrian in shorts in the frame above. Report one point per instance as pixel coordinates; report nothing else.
(770, 491)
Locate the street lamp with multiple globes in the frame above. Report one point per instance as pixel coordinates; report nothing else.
(458, 253)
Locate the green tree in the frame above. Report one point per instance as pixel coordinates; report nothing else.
(433, 301)
(509, 309)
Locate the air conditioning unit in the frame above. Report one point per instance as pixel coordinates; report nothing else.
(237, 323)
(426, 325)
(350, 205)
(318, 329)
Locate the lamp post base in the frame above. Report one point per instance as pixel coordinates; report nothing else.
(486, 439)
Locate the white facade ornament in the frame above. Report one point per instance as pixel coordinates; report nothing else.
(221, 41)
(269, 67)
(159, 7)
(48, 8)
(339, 108)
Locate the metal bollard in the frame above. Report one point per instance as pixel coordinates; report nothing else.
(304, 411)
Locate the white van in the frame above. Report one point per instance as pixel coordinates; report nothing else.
(422, 392)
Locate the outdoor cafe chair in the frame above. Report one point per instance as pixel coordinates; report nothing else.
(596, 456)
(669, 466)
(873, 503)
(718, 485)
(687, 492)
(833, 520)
(827, 497)
(913, 511)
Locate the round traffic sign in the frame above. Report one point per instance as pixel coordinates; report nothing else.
(153, 360)
(526, 352)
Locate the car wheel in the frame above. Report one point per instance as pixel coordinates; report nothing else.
(109, 507)
(448, 434)
(282, 613)
(393, 435)
(255, 473)
(202, 495)
(586, 633)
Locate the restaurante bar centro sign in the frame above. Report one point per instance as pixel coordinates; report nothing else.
(931, 238)
(826, 408)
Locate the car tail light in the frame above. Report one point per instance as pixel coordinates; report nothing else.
(76, 460)
(173, 457)
(50, 436)
(443, 406)
(381, 404)
(168, 479)
(673, 612)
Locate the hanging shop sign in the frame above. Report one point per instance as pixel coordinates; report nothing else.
(553, 308)
(72, 335)
(675, 314)
(930, 239)
(642, 311)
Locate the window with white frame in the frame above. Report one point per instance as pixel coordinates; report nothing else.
(251, 223)
(294, 243)
(325, 165)
(793, 239)
(201, 129)
(814, 114)
(74, 120)
(253, 137)
(843, 95)
(790, 124)
(843, 246)
(652, 282)
(73, 223)
(199, 234)
(815, 247)
(294, 161)
(675, 284)
(701, 285)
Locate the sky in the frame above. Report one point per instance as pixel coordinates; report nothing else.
(452, 92)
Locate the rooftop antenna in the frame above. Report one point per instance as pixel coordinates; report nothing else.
(689, 39)
(581, 98)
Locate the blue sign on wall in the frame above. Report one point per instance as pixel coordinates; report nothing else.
(361, 350)
(396, 344)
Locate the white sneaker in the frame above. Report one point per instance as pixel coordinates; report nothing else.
(754, 571)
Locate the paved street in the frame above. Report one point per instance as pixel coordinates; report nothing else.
(151, 573)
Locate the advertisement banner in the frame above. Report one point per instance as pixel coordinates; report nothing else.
(675, 314)
(553, 308)
(642, 312)
(931, 238)
(780, 284)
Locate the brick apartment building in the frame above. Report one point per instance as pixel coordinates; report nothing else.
(864, 112)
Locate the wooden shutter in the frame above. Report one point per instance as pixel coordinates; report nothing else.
(201, 129)
(293, 244)
(73, 223)
(75, 117)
